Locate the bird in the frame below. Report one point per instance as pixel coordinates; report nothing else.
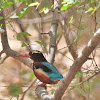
(46, 72)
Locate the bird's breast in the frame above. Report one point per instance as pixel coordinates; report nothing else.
(42, 76)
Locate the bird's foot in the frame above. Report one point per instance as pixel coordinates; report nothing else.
(41, 85)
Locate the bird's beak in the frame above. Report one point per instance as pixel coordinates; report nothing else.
(23, 56)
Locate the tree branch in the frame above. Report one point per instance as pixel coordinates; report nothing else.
(4, 59)
(53, 31)
(66, 35)
(6, 47)
(77, 65)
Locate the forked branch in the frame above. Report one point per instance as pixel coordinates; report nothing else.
(77, 65)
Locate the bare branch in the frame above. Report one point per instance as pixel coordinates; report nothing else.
(53, 31)
(1, 53)
(77, 65)
(59, 38)
(66, 14)
(4, 59)
(70, 47)
(6, 47)
(42, 93)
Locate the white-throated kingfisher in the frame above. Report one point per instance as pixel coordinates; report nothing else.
(43, 70)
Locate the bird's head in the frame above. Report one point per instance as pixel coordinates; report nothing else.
(36, 56)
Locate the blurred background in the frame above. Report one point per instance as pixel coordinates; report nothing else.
(16, 77)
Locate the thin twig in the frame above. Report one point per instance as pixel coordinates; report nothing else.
(4, 59)
(24, 93)
(89, 78)
(59, 38)
(1, 52)
(95, 19)
(66, 35)
(66, 56)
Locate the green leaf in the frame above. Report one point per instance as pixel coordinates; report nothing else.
(67, 4)
(21, 0)
(34, 4)
(25, 43)
(52, 86)
(26, 34)
(15, 90)
(39, 42)
(18, 14)
(47, 6)
(81, 90)
(64, 2)
(19, 36)
(52, 92)
(32, 75)
(93, 9)
(1, 17)
(24, 11)
(45, 10)
(90, 9)
(6, 4)
(41, 10)
(79, 73)
(14, 15)
(91, 1)
(65, 7)
(71, 19)
(28, 2)
(10, 21)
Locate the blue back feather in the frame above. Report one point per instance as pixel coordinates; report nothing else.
(55, 74)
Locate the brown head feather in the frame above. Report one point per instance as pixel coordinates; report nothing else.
(37, 57)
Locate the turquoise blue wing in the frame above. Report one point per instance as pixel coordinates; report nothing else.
(54, 74)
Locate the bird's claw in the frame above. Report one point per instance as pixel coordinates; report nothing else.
(41, 85)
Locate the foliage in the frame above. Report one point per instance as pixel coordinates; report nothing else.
(26, 43)
(68, 3)
(19, 35)
(15, 90)
(6, 4)
(81, 91)
(39, 42)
